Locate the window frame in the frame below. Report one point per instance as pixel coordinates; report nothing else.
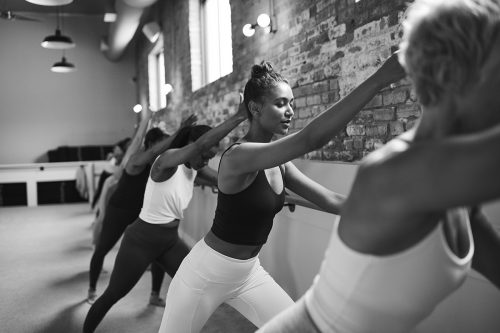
(157, 77)
(199, 35)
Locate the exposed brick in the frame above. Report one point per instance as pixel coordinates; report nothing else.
(300, 102)
(349, 144)
(334, 84)
(306, 68)
(345, 39)
(396, 127)
(324, 48)
(320, 87)
(313, 100)
(408, 110)
(397, 96)
(325, 98)
(333, 96)
(376, 130)
(364, 117)
(323, 38)
(303, 90)
(355, 130)
(283, 56)
(338, 55)
(288, 44)
(319, 75)
(316, 110)
(355, 49)
(314, 52)
(369, 144)
(384, 114)
(332, 70)
(358, 143)
(303, 113)
(307, 46)
(312, 11)
(337, 31)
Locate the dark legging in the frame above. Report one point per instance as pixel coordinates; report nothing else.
(113, 225)
(142, 244)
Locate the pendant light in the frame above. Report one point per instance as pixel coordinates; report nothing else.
(58, 41)
(50, 2)
(63, 66)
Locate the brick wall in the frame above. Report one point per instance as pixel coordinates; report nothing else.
(324, 48)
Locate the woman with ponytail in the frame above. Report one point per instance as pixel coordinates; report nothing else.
(253, 174)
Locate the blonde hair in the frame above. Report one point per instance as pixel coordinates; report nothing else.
(446, 43)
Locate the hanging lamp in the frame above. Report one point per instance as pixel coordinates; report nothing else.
(63, 66)
(50, 2)
(58, 41)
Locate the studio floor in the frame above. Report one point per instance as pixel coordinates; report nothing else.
(44, 257)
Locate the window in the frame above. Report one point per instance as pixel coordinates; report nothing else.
(211, 43)
(156, 74)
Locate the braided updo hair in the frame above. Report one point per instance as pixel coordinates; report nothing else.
(263, 77)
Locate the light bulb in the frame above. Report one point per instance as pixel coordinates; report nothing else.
(263, 20)
(248, 30)
(137, 108)
(167, 88)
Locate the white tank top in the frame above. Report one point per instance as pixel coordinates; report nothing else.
(357, 293)
(165, 201)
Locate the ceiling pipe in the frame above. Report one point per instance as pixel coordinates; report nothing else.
(122, 31)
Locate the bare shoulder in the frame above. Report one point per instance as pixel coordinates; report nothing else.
(228, 157)
(230, 178)
(382, 178)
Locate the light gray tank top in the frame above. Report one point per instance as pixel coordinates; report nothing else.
(165, 201)
(357, 292)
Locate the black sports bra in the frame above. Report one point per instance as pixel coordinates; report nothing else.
(246, 217)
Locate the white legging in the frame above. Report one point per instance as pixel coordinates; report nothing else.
(207, 278)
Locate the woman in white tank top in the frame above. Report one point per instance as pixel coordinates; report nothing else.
(153, 237)
(403, 244)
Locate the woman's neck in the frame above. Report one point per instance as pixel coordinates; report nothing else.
(437, 122)
(258, 134)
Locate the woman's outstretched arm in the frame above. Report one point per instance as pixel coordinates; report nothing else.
(136, 142)
(252, 156)
(312, 191)
(142, 158)
(174, 157)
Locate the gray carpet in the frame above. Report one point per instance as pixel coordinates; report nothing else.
(44, 257)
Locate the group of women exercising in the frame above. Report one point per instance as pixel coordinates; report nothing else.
(422, 233)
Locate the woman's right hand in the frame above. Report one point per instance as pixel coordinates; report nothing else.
(391, 71)
(242, 109)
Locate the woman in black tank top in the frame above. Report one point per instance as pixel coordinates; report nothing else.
(252, 178)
